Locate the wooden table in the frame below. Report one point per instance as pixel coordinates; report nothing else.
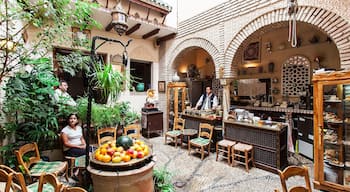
(193, 121)
(188, 133)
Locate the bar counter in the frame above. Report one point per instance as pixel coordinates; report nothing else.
(269, 142)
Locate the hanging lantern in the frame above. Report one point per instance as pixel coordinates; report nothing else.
(119, 19)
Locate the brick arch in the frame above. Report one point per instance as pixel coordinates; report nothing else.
(193, 42)
(329, 22)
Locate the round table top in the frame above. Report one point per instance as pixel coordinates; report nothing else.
(189, 132)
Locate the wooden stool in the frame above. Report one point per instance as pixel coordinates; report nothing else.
(71, 164)
(224, 146)
(243, 154)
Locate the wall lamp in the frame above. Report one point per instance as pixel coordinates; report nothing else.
(251, 65)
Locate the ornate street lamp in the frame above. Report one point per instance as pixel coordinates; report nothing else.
(119, 23)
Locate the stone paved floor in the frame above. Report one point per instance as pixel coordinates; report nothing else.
(191, 174)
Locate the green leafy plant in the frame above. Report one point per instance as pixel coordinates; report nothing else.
(29, 110)
(53, 19)
(163, 180)
(109, 81)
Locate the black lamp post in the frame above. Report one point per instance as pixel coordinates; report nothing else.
(119, 18)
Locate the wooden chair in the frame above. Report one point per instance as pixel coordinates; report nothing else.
(53, 182)
(73, 189)
(5, 181)
(17, 182)
(292, 171)
(35, 166)
(203, 140)
(106, 134)
(133, 131)
(176, 133)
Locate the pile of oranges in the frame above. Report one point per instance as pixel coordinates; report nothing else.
(109, 152)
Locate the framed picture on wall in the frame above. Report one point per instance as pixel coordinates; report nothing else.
(252, 52)
(161, 86)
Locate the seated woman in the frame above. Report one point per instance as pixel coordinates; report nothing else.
(73, 140)
(72, 137)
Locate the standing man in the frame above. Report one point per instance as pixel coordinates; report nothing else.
(62, 96)
(207, 100)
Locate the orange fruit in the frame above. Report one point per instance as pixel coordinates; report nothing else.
(120, 149)
(103, 150)
(142, 145)
(97, 155)
(138, 141)
(146, 151)
(117, 159)
(106, 158)
(126, 158)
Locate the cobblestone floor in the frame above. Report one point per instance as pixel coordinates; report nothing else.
(190, 174)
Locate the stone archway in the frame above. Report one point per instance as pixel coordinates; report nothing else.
(193, 42)
(332, 24)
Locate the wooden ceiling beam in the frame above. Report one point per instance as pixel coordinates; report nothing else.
(150, 6)
(151, 33)
(165, 38)
(133, 29)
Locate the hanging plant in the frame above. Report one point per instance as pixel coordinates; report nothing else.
(109, 81)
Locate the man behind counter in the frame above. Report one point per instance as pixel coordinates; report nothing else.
(207, 100)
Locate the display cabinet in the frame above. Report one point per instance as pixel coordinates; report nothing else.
(332, 131)
(176, 100)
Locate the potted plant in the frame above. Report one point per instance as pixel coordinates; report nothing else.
(163, 180)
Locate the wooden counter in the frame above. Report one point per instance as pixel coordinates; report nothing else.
(270, 142)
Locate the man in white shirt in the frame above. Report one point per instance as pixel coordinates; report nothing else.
(207, 100)
(62, 96)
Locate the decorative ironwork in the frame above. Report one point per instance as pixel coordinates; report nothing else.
(296, 75)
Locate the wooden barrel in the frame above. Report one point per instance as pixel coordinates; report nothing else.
(134, 180)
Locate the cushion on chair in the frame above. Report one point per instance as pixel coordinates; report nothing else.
(200, 141)
(174, 133)
(47, 167)
(35, 186)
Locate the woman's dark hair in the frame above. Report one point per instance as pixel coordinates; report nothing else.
(70, 115)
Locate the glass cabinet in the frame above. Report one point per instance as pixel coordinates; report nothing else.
(332, 131)
(176, 100)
